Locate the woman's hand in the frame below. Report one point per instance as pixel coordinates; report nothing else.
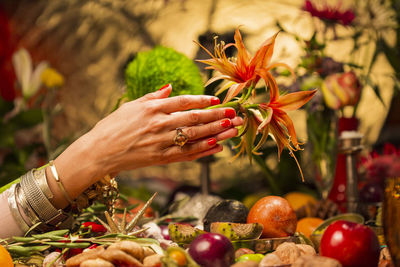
(141, 133)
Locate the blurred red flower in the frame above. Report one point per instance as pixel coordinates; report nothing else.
(7, 76)
(377, 167)
(330, 14)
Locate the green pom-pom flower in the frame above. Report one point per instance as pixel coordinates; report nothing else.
(152, 69)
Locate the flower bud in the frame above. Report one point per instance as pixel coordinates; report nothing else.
(341, 89)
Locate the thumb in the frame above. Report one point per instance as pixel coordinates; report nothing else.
(163, 92)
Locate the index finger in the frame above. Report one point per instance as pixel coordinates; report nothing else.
(185, 102)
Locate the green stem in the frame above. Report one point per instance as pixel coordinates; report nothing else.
(248, 94)
(46, 132)
(275, 190)
(47, 116)
(255, 106)
(234, 104)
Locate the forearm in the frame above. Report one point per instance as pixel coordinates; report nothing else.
(78, 167)
(8, 225)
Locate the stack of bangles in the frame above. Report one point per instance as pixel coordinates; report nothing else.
(29, 200)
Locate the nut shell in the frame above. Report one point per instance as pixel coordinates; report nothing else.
(287, 252)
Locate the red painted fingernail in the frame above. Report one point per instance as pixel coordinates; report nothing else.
(215, 101)
(226, 123)
(212, 141)
(230, 113)
(164, 87)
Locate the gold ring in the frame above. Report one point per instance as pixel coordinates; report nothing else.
(180, 138)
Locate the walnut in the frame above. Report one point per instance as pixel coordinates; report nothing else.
(153, 260)
(75, 261)
(288, 252)
(306, 249)
(270, 259)
(96, 262)
(315, 261)
(118, 257)
(147, 252)
(245, 264)
(130, 247)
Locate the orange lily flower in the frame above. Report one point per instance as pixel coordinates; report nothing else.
(266, 118)
(277, 122)
(249, 130)
(244, 71)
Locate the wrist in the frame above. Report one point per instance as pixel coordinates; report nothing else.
(79, 166)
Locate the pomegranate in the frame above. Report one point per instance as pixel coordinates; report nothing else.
(275, 214)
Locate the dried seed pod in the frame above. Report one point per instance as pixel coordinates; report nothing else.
(306, 249)
(75, 261)
(246, 264)
(130, 247)
(270, 259)
(96, 262)
(288, 252)
(315, 261)
(120, 258)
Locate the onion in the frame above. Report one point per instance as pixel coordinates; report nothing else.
(212, 250)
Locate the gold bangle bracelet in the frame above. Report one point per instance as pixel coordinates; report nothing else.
(36, 199)
(25, 207)
(12, 203)
(40, 176)
(60, 185)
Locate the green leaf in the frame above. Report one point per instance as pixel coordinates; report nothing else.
(28, 118)
(392, 54)
(375, 88)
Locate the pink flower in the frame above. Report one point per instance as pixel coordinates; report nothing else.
(330, 14)
(378, 167)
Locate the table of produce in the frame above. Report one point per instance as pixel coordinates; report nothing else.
(229, 234)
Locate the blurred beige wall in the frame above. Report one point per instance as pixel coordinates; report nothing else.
(90, 41)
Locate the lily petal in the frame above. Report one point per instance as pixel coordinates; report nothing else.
(270, 81)
(23, 68)
(224, 87)
(294, 100)
(284, 119)
(264, 137)
(280, 64)
(234, 91)
(264, 53)
(280, 137)
(267, 120)
(36, 79)
(216, 78)
(243, 57)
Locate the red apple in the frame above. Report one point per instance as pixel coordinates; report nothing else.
(350, 243)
